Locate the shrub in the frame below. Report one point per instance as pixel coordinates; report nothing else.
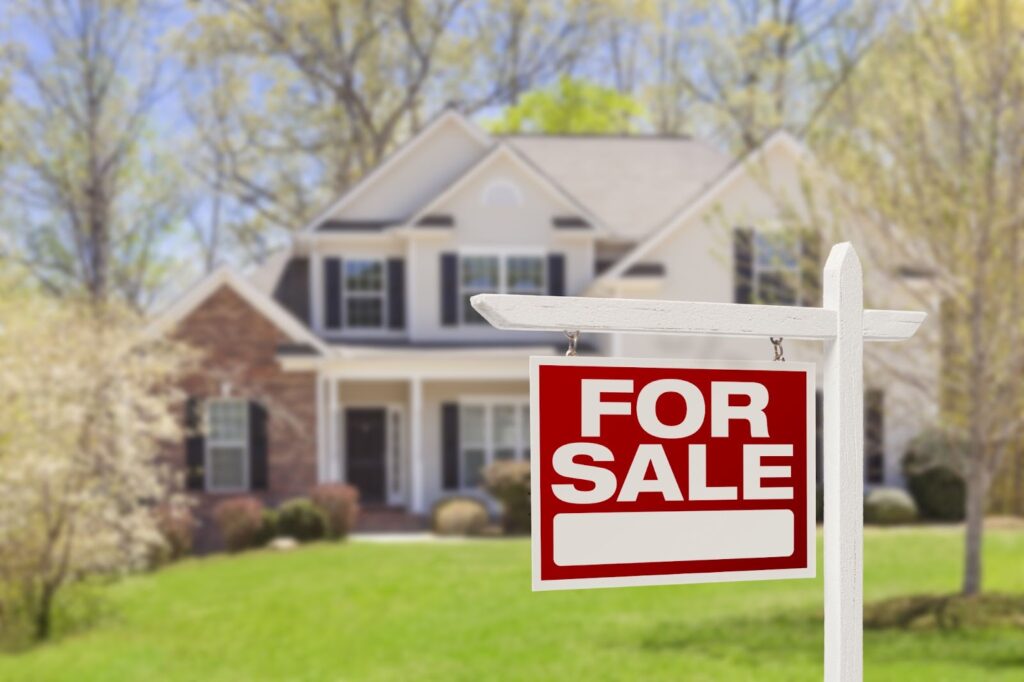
(339, 504)
(240, 521)
(268, 528)
(940, 493)
(299, 518)
(509, 482)
(889, 506)
(460, 516)
(176, 525)
(933, 466)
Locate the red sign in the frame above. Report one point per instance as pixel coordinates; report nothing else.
(648, 472)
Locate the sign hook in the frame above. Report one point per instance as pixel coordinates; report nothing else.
(573, 337)
(777, 346)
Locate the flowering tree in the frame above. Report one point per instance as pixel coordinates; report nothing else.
(87, 400)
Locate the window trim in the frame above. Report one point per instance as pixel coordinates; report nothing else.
(503, 256)
(209, 442)
(796, 272)
(521, 405)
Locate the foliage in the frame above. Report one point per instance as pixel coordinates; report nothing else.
(240, 521)
(935, 448)
(460, 516)
(509, 482)
(226, 619)
(889, 506)
(940, 493)
(176, 526)
(339, 504)
(299, 518)
(571, 106)
(924, 142)
(945, 612)
(91, 197)
(88, 400)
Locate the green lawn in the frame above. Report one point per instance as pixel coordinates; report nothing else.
(464, 611)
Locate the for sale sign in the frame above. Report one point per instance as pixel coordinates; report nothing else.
(648, 472)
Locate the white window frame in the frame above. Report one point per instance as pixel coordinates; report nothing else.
(521, 405)
(793, 275)
(347, 294)
(503, 256)
(210, 442)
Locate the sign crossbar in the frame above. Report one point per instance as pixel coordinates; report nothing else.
(844, 326)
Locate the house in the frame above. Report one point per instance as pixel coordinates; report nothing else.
(355, 355)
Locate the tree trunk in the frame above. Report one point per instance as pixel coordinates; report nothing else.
(975, 521)
(44, 611)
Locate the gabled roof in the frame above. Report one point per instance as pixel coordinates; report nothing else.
(632, 184)
(264, 304)
(703, 200)
(503, 150)
(375, 175)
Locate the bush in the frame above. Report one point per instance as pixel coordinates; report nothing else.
(176, 525)
(509, 482)
(268, 528)
(940, 494)
(301, 519)
(460, 516)
(339, 504)
(889, 506)
(933, 466)
(240, 521)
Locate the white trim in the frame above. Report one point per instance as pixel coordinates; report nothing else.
(383, 295)
(500, 150)
(700, 203)
(243, 443)
(265, 305)
(807, 571)
(381, 169)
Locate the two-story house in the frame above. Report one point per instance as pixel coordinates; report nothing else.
(355, 356)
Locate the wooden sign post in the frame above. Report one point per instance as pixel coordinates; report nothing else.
(844, 325)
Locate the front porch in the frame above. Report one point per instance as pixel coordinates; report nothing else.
(406, 442)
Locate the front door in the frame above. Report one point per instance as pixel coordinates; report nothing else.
(364, 451)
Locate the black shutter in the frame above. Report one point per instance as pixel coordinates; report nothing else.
(257, 446)
(332, 293)
(810, 262)
(743, 264)
(450, 445)
(396, 293)
(449, 289)
(556, 274)
(195, 445)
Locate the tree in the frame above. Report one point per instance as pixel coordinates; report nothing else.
(927, 140)
(92, 201)
(295, 101)
(88, 401)
(571, 106)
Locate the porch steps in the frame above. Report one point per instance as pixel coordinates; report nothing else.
(387, 519)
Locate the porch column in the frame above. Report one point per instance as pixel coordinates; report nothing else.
(333, 461)
(416, 444)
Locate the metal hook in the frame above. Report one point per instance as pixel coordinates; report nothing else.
(573, 338)
(777, 344)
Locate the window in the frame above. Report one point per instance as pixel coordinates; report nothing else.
(776, 268)
(512, 274)
(489, 432)
(363, 292)
(227, 445)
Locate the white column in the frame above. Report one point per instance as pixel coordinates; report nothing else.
(335, 471)
(416, 444)
(844, 468)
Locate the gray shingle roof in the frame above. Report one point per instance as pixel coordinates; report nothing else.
(632, 183)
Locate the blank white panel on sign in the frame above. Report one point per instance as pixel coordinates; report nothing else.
(646, 537)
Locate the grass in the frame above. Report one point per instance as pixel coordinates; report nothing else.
(464, 611)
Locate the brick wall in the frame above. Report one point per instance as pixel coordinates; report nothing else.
(238, 346)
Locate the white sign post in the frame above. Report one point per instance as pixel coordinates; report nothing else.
(844, 325)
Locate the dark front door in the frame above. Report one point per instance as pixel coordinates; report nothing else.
(364, 451)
